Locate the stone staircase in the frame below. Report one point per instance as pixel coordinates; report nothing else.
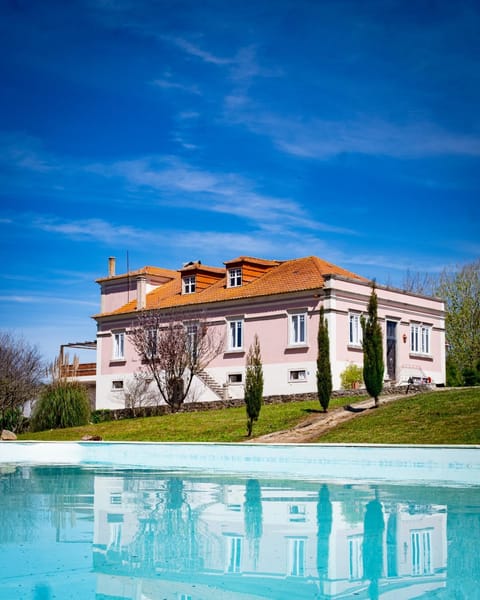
(211, 383)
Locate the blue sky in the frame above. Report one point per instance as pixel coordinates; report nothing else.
(184, 130)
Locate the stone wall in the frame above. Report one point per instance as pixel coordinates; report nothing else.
(151, 411)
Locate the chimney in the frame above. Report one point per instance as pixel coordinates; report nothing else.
(141, 292)
(111, 266)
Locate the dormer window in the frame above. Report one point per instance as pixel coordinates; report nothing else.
(189, 284)
(235, 277)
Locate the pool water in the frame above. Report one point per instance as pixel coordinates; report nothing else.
(127, 534)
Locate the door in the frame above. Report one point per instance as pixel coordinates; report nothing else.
(392, 350)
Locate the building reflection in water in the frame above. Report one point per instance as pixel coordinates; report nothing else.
(194, 538)
(152, 536)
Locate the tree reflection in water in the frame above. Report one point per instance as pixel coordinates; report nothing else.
(374, 526)
(253, 518)
(165, 539)
(324, 528)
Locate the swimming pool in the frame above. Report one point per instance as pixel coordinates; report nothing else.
(241, 522)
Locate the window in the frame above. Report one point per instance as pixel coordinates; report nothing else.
(297, 513)
(235, 378)
(235, 334)
(192, 341)
(119, 345)
(420, 339)
(234, 277)
(421, 552)
(234, 554)
(296, 556)
(298, 329)
(354, 330)
(117, 386)
(152, 343)
(355, 560)
(189, 284)
(297, 375)
(115, 533)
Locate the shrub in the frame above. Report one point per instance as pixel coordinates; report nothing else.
(101, 415)
(351, 377)
(61, 404)
(469, 376)
(453, 375)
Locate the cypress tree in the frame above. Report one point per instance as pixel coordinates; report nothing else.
(253, 384)
(324, 371)
(373, 366)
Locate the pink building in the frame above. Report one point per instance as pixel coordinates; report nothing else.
(280, 302)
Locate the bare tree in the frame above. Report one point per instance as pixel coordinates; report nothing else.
(174, 348)
(137, 392)
(420, 283)
(21, 371)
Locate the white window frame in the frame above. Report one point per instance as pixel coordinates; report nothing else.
(421, 552)
(118, 347)
(152, 343)
(192, 339)
(235, 334)
(298, 378)
(297, 329)
(235, 277)
(297, 513)
(355, 562)
(420, 339)
(234, 553)
(297, 551)
(117, 385)
(235, 378)
(355, 333)
(115, 498)
(189, 283)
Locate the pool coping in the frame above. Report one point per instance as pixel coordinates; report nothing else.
(447, 465)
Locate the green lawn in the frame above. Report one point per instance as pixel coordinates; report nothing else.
(446, 417)
(225, 425)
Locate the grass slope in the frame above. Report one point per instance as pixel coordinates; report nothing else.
(446, 417)
(223, 425)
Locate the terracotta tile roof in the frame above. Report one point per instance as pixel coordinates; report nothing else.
(283, 277)
(143, 271)
(198, 266)
(252, 260)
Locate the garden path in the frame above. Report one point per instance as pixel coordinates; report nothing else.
(316, 424)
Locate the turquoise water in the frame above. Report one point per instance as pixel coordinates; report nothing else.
(80, 532)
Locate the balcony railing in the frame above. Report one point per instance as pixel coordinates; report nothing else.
(80, 370)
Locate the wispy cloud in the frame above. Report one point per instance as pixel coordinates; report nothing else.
(93, 229)
(167, 83)
(226, 193)
(25, 152)
(40, 299)
(196, 51)
(323, 139)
